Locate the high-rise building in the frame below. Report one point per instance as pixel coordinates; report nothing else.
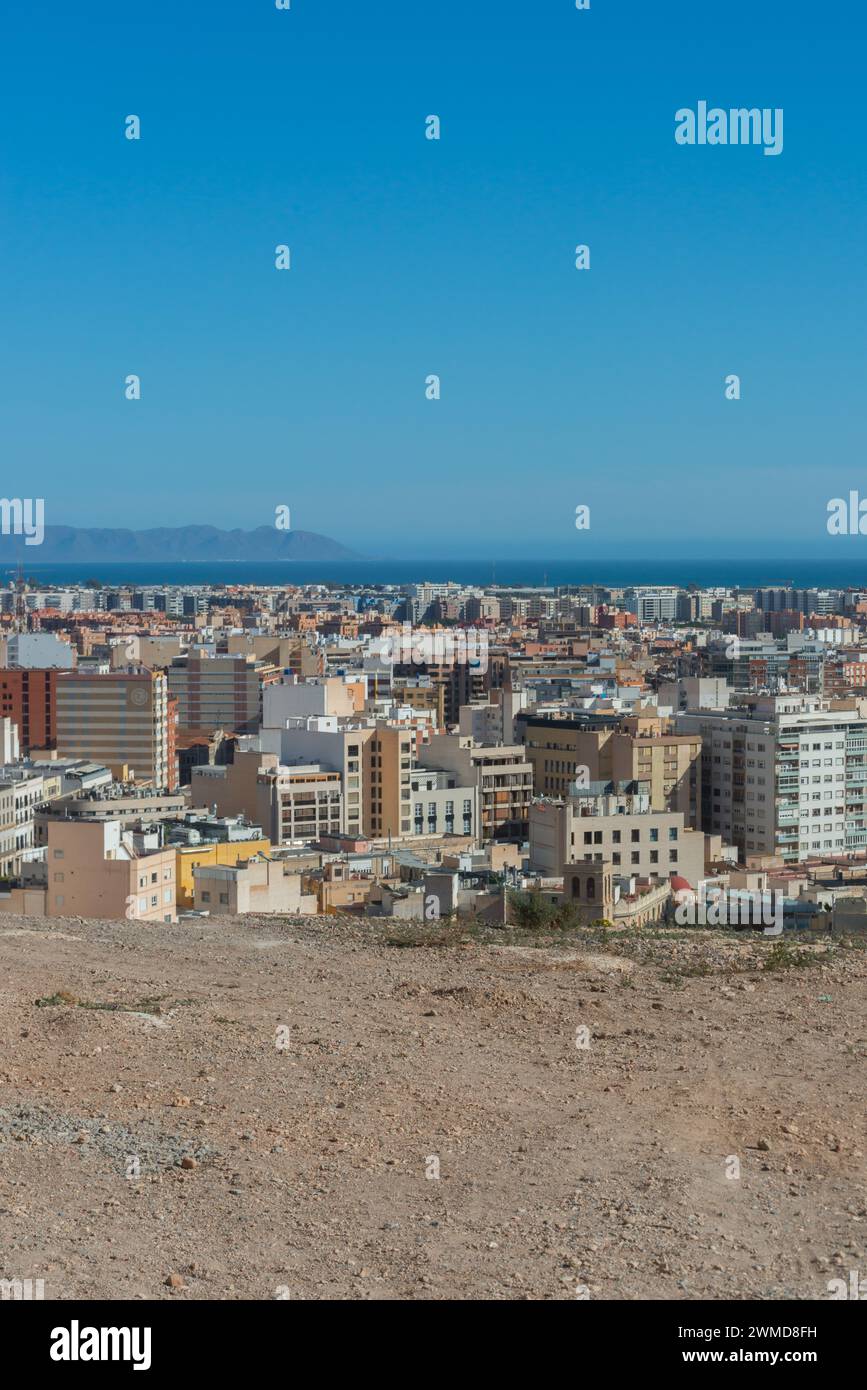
(216, 691)
(783, 775)
(28, 698)
(616, 748)
(119, 719)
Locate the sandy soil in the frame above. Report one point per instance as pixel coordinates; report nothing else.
(262, 1110)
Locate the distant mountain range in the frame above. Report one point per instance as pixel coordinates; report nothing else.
(172, 543)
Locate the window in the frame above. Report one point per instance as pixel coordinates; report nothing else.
(206, 897)
(58, 854)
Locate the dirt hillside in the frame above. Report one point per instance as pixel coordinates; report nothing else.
(332, 1110)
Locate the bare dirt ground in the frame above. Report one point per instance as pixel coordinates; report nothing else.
(259, 1110)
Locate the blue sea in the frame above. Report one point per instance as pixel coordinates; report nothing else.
(743, 573)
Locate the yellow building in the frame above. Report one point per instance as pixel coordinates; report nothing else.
(222, 854)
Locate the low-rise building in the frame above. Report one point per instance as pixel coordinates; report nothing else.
(604, 824)
(258, 885)
(98, 869)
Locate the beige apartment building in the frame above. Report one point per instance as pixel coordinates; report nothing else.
(618, 749)
(120, 720)
(289, 803)
(154, 652)
(388, 757)
(648, 844)
(502, 775)
(220, 691)
(93, 869)
(374, 760)
(286, 653)
(258, 885)
(423, 694)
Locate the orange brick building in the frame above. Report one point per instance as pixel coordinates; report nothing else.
(29, 699)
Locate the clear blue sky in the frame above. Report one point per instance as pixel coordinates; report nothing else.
(455, 257)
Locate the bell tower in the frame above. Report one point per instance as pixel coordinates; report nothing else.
(590, 888)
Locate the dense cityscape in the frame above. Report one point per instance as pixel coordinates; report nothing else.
(433, 750)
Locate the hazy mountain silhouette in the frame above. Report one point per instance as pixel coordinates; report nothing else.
(174, 543)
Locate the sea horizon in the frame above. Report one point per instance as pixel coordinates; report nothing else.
(531, 573)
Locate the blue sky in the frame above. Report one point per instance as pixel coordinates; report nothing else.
(456, 257)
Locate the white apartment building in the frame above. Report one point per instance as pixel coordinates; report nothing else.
(440, 806)
(21, 791)
(653, 605)
(39, 650)
(695, 692)
(9, 748)
(783, 775)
